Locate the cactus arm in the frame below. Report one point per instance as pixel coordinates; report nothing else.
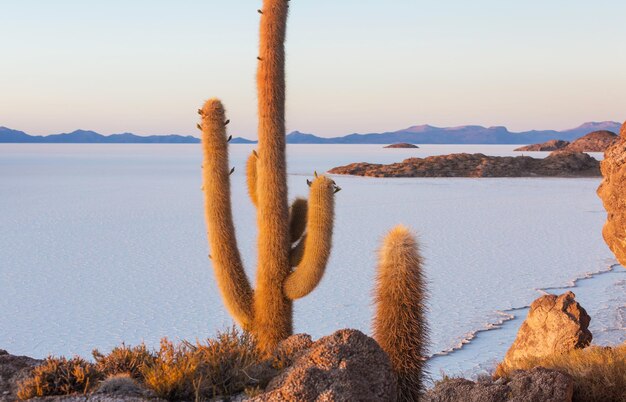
(399, 324)
(297, 252)
(297, 218)
(251, 177)
(273, 312)
(318, 242)
(226, 261)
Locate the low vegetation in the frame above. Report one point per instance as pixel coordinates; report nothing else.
(599, 373)
(125, 360)
(60, 376)
(227, 365)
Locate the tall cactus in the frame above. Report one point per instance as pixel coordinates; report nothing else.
(294, 243)
(400, 323)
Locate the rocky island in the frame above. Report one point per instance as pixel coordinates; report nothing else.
(597, 141)
(401, 145)
(547, 146)
(557, 164)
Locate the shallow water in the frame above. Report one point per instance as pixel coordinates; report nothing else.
(106, 243)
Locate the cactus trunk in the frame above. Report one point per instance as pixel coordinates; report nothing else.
(273, 320)
(266, 311)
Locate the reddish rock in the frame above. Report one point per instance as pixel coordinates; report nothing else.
(291, 349)
(555, 324)
(562, 164)
(345, 366)
(612, 191)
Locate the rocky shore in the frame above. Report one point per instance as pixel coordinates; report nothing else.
(557, 164)
(350, 366)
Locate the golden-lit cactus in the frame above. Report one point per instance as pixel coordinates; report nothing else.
(267, 310)
(229, 271)
(251, 177)
(317, 245)
(399, 325)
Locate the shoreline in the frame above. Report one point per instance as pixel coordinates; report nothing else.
(510, 315)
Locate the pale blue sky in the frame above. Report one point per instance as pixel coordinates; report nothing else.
(145, 66)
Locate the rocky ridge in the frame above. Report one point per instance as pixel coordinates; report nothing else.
(559, 164)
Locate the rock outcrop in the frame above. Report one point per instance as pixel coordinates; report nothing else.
(401, 145)
(345, 366)
(554, 325)
(612, 191)
(12, 370)
(559, 163)
(538, 384)
(551, 145)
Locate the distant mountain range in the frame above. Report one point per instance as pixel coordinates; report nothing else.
(91, 137)
(424, 134)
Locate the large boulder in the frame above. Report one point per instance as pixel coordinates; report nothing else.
(345, 366)
(612, 191)
(554, 325)
(538, 384)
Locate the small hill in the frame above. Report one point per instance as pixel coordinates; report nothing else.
(597, 141)
(551, 145)
(401, 145)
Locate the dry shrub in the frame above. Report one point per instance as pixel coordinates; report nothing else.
(124, 359)
(60, 376)
(226, 365)
(172, 375)
(599, 373)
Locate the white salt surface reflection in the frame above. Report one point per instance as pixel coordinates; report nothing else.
(106, 243)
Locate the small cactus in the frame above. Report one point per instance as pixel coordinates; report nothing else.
(400, 322)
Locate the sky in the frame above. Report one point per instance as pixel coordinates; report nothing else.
(145, 66)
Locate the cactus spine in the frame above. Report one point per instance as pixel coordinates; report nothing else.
(400, 323)
(266, 311)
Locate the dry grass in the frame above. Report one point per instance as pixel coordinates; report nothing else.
(124, 359)
(599, 373)
(227, 365)
(60, 376)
